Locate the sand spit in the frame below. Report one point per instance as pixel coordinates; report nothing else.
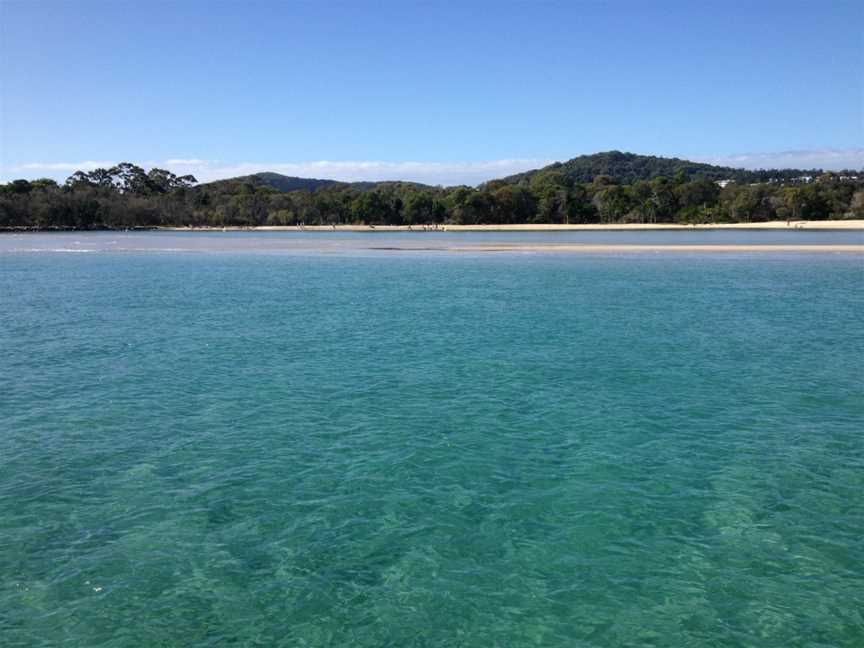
(771, 225)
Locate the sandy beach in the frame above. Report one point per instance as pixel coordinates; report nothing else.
(532, 227)
(769, 225)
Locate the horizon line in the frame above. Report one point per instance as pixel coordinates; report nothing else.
(450, 173)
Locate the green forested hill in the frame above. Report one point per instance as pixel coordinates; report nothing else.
(615, 166)
(292, 183)
(627, 168)
(279, 182)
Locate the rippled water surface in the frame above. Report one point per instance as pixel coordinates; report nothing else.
(431, 450)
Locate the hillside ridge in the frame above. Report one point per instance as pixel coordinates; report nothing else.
(621, 167)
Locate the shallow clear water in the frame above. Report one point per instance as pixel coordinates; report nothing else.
(362, 242)
(431, 450)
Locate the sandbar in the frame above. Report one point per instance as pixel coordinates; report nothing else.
(541, 227)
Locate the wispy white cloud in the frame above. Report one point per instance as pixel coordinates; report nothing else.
(828, 159)
(186, 161)
(434, 173)
(444, 173)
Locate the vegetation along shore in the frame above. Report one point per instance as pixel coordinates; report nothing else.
(605, 190)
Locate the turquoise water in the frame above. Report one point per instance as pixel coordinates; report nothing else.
(421, 449)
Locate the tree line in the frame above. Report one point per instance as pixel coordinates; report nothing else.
(127, 196)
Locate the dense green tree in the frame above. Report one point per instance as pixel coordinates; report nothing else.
(612, 202)
(371, 208)
(419, 208)
(512, 204)
(856, 205)
(808, 203)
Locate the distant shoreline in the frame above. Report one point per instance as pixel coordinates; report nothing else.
(524, 227)
(536, 227)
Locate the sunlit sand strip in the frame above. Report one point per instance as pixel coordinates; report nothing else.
(584, 249)
(771, 225)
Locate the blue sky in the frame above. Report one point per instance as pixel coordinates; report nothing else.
(432, 91)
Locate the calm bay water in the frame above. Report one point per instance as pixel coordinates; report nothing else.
(426, 449)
